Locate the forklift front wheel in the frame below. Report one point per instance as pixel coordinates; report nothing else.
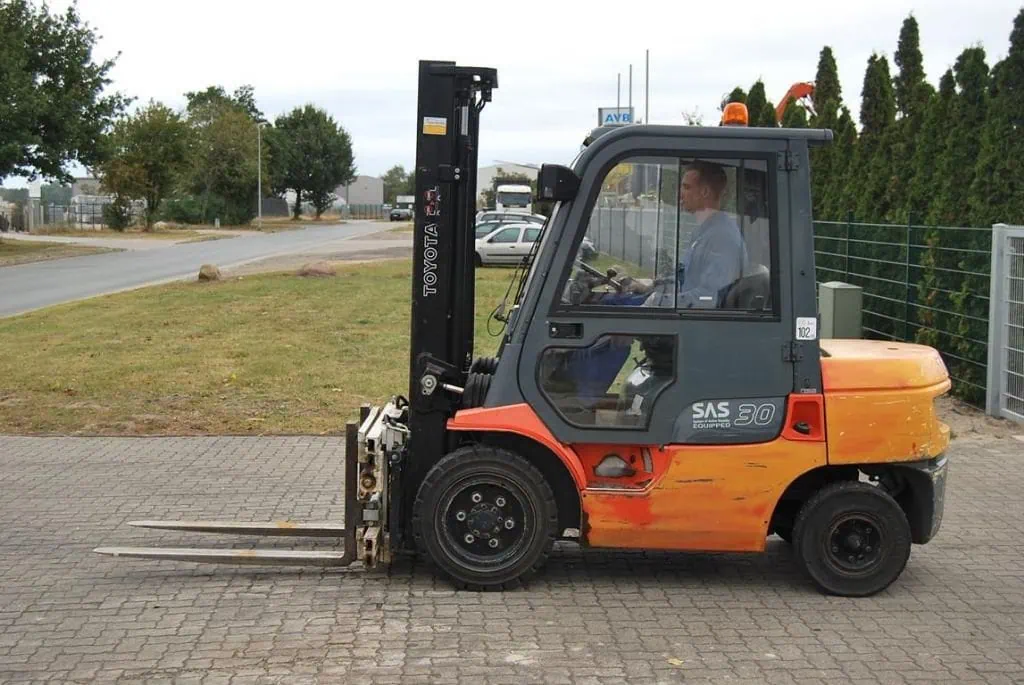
(853, 539)
(486, 517)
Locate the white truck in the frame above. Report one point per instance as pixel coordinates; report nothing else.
(513, 198)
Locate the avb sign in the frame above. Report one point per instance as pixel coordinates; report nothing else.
(614, 116)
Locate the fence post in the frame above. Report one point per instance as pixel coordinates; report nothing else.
(906, 283)
(846, 244)
(996, 347)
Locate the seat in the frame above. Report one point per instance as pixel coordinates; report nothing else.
(752, 292)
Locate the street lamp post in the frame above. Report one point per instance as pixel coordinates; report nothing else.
(259, 174)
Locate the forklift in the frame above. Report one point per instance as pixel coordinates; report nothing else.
(680, 399)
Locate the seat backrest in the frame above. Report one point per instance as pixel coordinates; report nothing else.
(752, 292)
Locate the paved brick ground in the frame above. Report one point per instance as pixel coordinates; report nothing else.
(67, 615)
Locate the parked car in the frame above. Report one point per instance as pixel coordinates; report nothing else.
(401, 214)
(507, 243)
(510, 216)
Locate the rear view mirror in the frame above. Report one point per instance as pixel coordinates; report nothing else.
(557, 183)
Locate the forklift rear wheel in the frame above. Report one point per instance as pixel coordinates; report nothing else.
(486, 517)
(852, 539)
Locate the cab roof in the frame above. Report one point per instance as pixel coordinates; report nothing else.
(813, 136)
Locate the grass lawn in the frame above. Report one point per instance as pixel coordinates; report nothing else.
(272, 353)
(24, 251)
(154, 234)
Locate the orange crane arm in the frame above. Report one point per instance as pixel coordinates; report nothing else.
(796, 91)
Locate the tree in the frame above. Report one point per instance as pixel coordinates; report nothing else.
(736, 95)
(957, 163)
(312, 156)
(795, 115)
(397, 181)
(930, 145)
(997, 193)
(839, 196)
(223, 167)
(929, 148)
(827, 100)
(223, 157)
(52, 108)
(912, 93)
(146, 154)
(760, 111)
(872, 167)
(909, 86)
(204, 105)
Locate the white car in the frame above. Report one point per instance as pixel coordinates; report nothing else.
(507, 244)
(493, 215)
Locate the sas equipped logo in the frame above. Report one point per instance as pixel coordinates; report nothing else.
(711, 415)
(719, 415)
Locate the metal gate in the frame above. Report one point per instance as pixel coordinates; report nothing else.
(1005, 396)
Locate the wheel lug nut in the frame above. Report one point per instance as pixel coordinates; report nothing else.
(851, 557)
(500, 501)
(469, 539)
(477, 498)
(510, 524)
(460, 516)
(493, 542)
(867, 549)
(835, 549)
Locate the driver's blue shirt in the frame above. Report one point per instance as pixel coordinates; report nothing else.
(715, 258)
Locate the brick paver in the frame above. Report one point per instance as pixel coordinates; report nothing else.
(67, 615)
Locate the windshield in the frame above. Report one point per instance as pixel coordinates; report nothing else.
(510, 199)
(531, 266)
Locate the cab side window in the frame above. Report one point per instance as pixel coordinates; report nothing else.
(678, 234)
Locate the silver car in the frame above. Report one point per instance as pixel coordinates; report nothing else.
(507, 244)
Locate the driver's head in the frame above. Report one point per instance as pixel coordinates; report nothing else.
(702, 186)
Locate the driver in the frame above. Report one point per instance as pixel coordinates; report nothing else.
(717, 255)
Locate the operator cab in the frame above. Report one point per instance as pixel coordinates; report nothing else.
(700, 277)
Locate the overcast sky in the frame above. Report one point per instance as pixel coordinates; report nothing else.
(557, 61)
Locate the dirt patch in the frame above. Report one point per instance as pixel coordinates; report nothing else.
(296, 261)
(15, 252)
(966, 421)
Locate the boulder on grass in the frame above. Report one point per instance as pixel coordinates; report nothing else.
(318, 270)
(209, 272)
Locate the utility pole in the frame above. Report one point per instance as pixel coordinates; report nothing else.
(647, 86)
(259, 174)
(631, 94)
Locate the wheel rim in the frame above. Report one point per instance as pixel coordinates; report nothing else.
(853, 544)
(485, 523)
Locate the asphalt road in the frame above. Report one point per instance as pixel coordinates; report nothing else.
(40, 284)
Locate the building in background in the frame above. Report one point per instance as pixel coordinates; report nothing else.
(363, 190)
(485, 174)
(85, 185)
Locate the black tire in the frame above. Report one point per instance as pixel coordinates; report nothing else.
(852, 539)
(509, 489)
(478, 260)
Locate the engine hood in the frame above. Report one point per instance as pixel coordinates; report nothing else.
(865, 365)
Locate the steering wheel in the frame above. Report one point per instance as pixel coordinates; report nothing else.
(605, 278)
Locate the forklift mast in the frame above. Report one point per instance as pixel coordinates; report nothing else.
(441, 337)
